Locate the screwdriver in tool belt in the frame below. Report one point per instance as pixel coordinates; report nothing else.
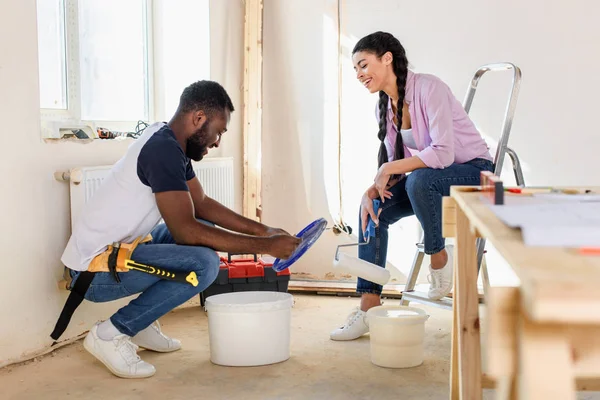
(163, 273)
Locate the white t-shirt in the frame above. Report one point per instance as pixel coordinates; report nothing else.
(408, 139)
(124, 207)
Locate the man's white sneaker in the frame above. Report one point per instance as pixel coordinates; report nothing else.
(119, 355)
(441, 279)
(153, 339)
(355, 326)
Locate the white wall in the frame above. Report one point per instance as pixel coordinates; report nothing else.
(299, 145)
(35, 207)
(555, 43)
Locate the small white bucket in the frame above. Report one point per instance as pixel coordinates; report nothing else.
(397, 336)
(249, 328)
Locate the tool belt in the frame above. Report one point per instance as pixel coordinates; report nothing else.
(114, 259)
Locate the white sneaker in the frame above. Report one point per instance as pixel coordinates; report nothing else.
(441, 279)
(153, 339)
(355, 326)
(118, 355)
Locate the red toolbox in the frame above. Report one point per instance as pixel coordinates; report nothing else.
(247, 273)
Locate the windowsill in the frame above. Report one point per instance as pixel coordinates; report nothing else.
(58, 126)
(87, 141)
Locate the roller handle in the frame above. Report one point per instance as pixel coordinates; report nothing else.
(371, 225)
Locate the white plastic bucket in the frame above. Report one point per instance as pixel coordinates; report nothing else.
(249, 328)
(397, 336)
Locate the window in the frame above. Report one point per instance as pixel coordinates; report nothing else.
(112, 63)
(52, 54)
(113, 60)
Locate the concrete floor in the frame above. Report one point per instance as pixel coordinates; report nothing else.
(318, 369)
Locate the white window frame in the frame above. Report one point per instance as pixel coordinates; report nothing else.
(55, 119)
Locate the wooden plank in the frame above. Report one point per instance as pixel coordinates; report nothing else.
(500, 333)
(581, 384)
(562, 301)
(448, 217)
(467, 306)
(487, 382)
(252, 127)
(542, 271)
(585, 342)
(503, 314)
(586, 384)
(338, 287)
(454, 355)
(545, 369)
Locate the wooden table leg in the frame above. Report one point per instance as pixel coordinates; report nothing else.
(466, 303)
(545, 368)
(502, 318)
(454, 373)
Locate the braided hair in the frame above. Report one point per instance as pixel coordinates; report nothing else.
(380, 43)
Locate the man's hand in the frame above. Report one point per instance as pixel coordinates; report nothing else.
(282, 245)
(274, 231)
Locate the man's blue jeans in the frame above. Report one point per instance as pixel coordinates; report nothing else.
(158, 296)
(419, 194)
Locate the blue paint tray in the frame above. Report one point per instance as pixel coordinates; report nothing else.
(309, 236)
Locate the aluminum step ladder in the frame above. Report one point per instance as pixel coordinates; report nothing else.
(409, 294)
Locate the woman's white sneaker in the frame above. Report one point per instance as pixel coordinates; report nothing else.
(153, 339)
(441, 279)
(119, 355)
(355, 326)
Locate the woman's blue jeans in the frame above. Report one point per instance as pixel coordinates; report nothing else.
(420, 194)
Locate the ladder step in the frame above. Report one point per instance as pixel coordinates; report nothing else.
(421, 297)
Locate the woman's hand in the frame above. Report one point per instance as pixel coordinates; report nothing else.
(366, 207)
(381, 182)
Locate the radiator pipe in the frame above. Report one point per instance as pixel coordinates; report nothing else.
(62, 176)
(74, 176)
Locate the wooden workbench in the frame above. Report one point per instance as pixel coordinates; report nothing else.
(539, 337)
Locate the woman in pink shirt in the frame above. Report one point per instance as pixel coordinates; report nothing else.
(437, 146)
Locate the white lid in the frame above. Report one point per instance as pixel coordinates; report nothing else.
(402, 314)
(242, 302)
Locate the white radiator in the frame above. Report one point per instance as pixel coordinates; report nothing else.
(215, 175)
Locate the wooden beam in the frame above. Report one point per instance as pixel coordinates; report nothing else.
(454, 354)
(252, 108)
(466, 328)
(500, 334)
(448, 217)
(545, 364)
(335, 287)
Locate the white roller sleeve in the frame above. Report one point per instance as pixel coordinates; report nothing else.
(360, 268)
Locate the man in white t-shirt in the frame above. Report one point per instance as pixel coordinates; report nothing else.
(154, 181)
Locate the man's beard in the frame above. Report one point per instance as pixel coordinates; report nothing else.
(196, 144)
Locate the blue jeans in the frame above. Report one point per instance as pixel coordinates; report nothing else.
(419, 194)
(158, 296)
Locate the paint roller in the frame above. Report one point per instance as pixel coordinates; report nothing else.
(345, 263)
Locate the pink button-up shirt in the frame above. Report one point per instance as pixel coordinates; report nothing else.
(443, 132)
